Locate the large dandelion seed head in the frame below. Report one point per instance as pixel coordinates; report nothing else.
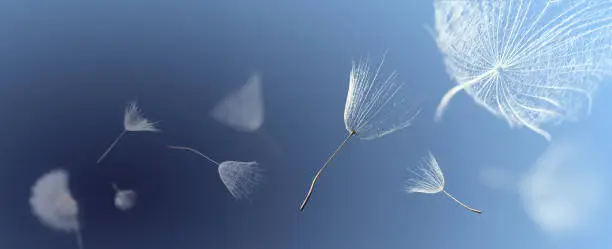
(52, 203)
(377, 103)
(428, 177)
(240, 178)
(529, 62)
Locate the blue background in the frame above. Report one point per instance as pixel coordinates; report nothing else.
(68, 68)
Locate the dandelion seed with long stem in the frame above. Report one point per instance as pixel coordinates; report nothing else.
(430, 180)
(240, 178)
(376, 105)
(133, 121)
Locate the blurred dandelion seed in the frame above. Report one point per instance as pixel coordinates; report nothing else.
(53, 204)
(240, 178)
(531, 63)
(374, 108)
(430, 180)
(133, 121)
(566, 190)
(124, 199)
(242, 110)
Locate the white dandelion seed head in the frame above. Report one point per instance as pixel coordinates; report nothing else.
(125, 199)
(52, 202)
(242, 110)
(133, 120)
(240, 178)
(530, 62)
(427, 177)
(376, 104)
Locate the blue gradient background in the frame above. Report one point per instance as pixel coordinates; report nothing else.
(68, 68)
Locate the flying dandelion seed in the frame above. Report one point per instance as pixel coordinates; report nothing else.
(53, 204)
(529, 62)
(430, 180)
(565, 192)
(375, 107)
(240, 178)
(133, 121)
(244, 109)
(124, 199)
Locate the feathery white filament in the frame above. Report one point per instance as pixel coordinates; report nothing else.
(376, 104)
(428, 177)
(529, 62)
(133, 120)
(240, 178)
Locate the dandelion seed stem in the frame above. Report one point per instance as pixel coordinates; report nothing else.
(314, 180)
(111, 146)
(451, 93)
(115, 187)
(461, 203)
(79, 239)
(194, 151)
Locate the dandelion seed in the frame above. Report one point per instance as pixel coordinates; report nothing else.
(430, 180)
(566, 191)
(53, 204)
(244, 109)
(240, 178)
(133, 121)
(532, 63)
(124, 199)
(375, 107)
